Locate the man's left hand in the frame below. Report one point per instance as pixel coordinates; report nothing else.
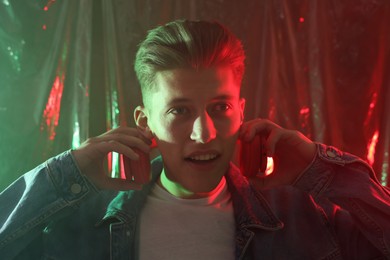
(291, 151)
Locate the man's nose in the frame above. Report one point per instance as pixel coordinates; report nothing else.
(203, 129)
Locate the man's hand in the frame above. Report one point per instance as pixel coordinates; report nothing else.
(91, 154)
(291, 151)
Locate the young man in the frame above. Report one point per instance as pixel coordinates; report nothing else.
(319, 203)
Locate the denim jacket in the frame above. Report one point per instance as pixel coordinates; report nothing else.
(335, 210)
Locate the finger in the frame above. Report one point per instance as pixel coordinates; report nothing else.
(141, 143)
(144, 135)
(130, 141)
(148, 136)
(114, 146)
(243, 129)
(249, 129)
(141, 169)
(271, 141)
(257, 126)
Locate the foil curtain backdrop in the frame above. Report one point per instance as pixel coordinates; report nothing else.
(320, 67)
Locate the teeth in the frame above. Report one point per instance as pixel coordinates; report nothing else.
(204, 157)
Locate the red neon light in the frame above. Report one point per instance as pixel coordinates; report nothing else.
(371, 148)
(304, 111)
(373, 102)
(109, 161)
(51, 114)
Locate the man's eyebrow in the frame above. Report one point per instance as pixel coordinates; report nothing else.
(223, 97)
(179, 100)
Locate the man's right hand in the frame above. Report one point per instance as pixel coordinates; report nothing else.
(91, 154)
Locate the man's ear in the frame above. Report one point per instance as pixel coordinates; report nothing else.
(140, 117)
(242, 108)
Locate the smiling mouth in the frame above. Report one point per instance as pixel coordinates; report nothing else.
(204, 158)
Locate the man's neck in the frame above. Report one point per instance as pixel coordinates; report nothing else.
(178, 190)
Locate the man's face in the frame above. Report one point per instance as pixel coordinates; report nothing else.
(195, 116)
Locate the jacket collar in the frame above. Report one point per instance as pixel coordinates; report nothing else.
(126, 206)
(251, 209)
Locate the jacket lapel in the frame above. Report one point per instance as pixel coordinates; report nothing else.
(251, 210)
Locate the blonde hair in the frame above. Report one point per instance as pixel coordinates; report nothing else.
(187, 44)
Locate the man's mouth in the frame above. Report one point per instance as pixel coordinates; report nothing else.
(203, 157)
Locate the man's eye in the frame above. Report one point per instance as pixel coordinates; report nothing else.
(222, 107)
(178, 111)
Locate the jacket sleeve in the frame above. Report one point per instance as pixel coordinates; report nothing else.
(36, 198)
(351, 184)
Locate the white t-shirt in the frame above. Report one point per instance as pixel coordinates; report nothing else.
(175, 228)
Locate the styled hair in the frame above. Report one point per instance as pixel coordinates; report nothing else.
(187, 44)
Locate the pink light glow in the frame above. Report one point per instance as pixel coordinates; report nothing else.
(51, 114)
(301, 19)
(304, 111)
(304, 116)
(371, 148)
(109, 161)
(371, 107)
